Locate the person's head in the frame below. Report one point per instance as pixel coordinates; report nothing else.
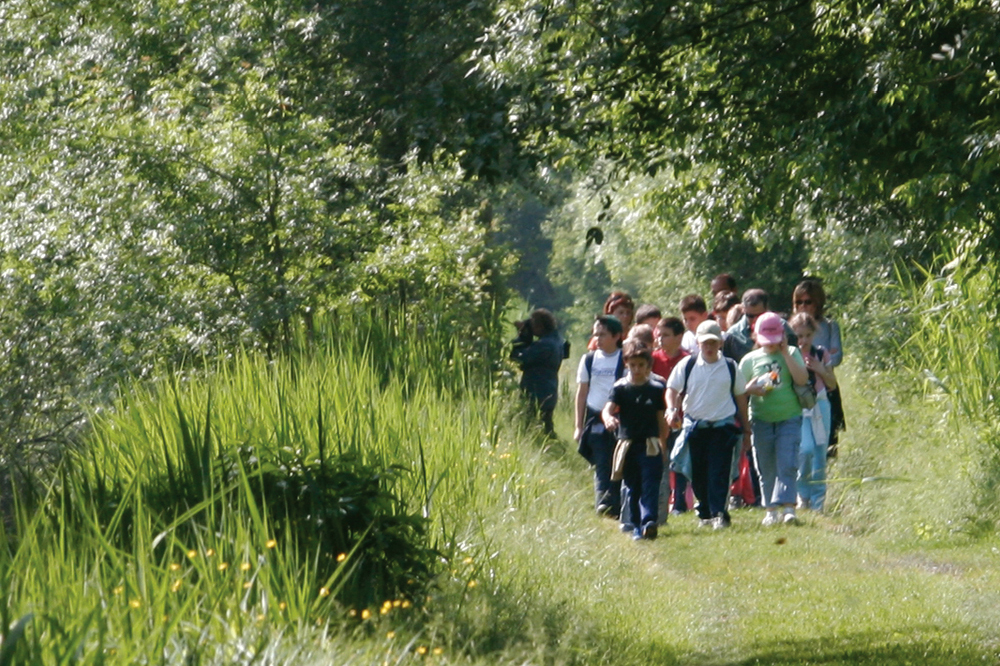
(638, 359)
(621, 306)
(809, 297)
(542, 322)
(721, 304)
(754, 305)
(643, 333)
(693, 311)
(709, 337)
(647, 314)
(608, 331)
(669, 335)
(723, 282)
(734, 315)
(769, 330)
(804, 327)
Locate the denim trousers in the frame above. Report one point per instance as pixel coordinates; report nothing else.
(776, 451)
(711, 465)
(606, 491)
(641, 486)
(812, 459)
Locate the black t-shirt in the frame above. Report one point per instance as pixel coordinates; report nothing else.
(637, 408)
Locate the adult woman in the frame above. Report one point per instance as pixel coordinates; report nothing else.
(621, 306)
(539, 349)
(810, 298)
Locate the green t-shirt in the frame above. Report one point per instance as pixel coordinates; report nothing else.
(781, 403)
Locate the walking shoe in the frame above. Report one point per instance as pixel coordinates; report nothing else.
(720, 523)
(704, 522)
(607, 511)
(627, 528)
(649, 531)
(637, 534)
(735, 502)
(789, 517)
(770, 518)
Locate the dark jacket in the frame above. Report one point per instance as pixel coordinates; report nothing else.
(540, 360)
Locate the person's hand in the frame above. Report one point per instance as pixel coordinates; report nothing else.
(577, 432)
(611, 423)
(810, 361)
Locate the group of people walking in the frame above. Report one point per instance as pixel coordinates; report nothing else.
(735, 399)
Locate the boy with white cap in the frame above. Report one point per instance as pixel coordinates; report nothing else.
(705, 387)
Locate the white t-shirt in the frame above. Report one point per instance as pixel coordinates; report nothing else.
(601, 378)
(708, 397)
(689, 342)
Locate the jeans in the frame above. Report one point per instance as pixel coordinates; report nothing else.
(812, 460)
(607, 493)
(641, 481)
(776, 451)
(711, 468)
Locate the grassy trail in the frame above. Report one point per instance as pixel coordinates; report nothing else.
(892, 578)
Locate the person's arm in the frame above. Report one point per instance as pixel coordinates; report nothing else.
(608, 416)
(582, 390)
(741, 407)
(673, 413)
(836, 345)
(661, 421)
(798, 370)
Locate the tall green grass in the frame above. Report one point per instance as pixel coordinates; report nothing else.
(200, 510)
(954, 353)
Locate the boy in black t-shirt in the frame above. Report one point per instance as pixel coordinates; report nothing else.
(636, 410)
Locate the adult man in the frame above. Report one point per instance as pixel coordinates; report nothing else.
(713, 394)
(596, 375)
(739, 338)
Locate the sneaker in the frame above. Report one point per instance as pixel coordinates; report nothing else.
(704, 522)
(627, 528)
(649, 531)
(607, 511)
(637, 534)
(735, 502)
(770, 518)
(789, 517)
(720, 523)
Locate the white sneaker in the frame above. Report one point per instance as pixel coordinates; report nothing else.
(719, 523)
(789, 517)
(770, 518)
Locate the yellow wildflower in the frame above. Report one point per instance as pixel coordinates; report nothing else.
(210, 552)
(271, 543)
(245, 566)
(324, 591)
(365, 614)
(175, 567)
(341, 557)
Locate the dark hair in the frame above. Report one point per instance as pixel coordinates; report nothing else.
(693, 302)
(753, 297)
(613, 325)
(543, 321)
(812, 288)
(635, 349)
(727, 280)
(724, 300)
(618, 298)
(640, 332)
(672, 323)
(647, 311)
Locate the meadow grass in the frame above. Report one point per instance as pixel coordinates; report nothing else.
(525, 573)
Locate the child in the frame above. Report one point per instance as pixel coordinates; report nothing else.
(712, 399)
(636, 411)
(595, 376)
(693, 312)
(674, 489)
(775, 414)
(816, 421)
